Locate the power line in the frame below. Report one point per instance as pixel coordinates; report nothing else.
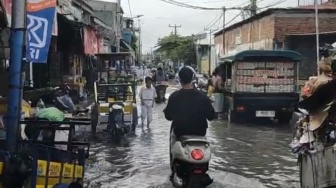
(273, 4)
(129, 6)
(214, 23)
(175, 28)
(187, 5)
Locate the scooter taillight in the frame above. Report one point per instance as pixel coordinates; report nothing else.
(197, 154)
(198, 171)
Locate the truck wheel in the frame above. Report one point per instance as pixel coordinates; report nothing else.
(284, 119)
(232, 116)
(94, 119)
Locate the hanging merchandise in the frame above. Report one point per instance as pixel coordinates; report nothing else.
(315, 128)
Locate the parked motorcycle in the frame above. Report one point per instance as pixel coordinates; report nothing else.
(197, 86)
(116, 124)
(190, 157)
(160, 92)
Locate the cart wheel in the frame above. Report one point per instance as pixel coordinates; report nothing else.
(94, 119)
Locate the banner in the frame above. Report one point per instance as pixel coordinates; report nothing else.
(90, 41)
(8, 9)
(40, 21)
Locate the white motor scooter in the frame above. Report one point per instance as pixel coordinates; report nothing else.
(190, 156)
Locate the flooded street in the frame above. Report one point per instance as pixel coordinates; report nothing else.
(244, 156)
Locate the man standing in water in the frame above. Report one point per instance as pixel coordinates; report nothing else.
(147, 95)
(188, 109)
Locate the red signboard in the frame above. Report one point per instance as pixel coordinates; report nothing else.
(90, 41)
(8, 9)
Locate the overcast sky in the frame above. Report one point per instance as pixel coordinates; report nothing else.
(158, 15)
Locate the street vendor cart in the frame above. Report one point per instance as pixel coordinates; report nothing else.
(116, 84)
(261, 83)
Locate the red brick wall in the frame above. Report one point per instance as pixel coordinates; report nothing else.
(276, 26)
(251, 32)
(297, 23)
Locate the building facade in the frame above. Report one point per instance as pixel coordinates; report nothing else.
(280, 28)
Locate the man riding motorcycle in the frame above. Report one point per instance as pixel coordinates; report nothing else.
(188, 109)
(159, 77)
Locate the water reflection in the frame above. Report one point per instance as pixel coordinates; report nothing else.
(244, 156)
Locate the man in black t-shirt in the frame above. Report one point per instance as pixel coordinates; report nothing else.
(188, 109)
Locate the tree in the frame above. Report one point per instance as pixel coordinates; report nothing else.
(178, 48)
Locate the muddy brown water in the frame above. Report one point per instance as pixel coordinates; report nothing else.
(244, 156)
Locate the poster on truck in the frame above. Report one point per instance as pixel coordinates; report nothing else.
(265, 77)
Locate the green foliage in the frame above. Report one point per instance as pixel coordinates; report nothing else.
(177, 48)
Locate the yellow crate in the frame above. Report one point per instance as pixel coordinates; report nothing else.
(43, 186)
(55, 169)
(128, 108)
(103, 109)
(109, 100)
(41, 168)
(40, 181)
(79, 172)
(1, 167)
(68, 170)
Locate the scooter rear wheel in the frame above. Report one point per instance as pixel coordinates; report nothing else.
(195, 182)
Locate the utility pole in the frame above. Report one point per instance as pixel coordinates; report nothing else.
(253, 6)
(15, 68)
(152, 55)
(209, 49)
(175, 28)
(224, 10)
(119, 24)
(317, 36)
(139, 58)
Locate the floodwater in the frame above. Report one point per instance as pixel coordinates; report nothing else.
(244, 156)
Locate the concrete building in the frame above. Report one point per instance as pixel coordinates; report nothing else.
(281, 28)
(203, 58)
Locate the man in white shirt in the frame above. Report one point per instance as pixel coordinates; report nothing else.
(147, 95)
